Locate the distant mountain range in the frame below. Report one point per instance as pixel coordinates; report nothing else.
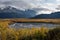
(11, 12)
(51, 16)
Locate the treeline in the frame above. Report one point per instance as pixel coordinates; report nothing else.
(29, 34)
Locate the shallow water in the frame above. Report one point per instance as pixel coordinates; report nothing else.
(30, 25)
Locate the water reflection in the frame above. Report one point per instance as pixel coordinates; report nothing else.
(30, 25)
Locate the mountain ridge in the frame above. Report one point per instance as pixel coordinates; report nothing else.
(51, 16)
(11, 12)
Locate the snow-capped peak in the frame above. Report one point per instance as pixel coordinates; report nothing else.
(11, 7)
(6, 7)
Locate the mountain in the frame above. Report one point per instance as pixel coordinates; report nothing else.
(11, 12)
(51, 16)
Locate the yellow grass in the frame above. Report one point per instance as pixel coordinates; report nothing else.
(7, 33)
(20, 33)
(6, 22)
(32, 20)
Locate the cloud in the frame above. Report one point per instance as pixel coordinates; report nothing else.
(27, 3)
(7, 3)
(57, 0)
(16, 3)
(58, 8)
(43, 11)
(40, 5)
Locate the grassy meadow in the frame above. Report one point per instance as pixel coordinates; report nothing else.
(41, 33)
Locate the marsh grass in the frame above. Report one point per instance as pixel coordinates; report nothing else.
(42, 33)
(29, 34)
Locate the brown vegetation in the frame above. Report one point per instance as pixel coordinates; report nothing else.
(33, 20)
(29, 34)
(42, 33)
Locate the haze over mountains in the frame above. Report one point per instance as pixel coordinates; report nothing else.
(11, 12)
(52, 15)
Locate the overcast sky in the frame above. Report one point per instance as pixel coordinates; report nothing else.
(49, 5)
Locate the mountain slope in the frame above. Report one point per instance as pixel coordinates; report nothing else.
(11, 12)
(52, 15)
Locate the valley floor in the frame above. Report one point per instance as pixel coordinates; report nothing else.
(32, 20)
(41, 33)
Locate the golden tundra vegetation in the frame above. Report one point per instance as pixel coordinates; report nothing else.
(32, 20)
(41, 33)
